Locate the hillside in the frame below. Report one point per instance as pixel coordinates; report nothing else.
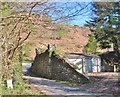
(67, 38)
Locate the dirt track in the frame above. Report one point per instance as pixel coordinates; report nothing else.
(55, 88)
(108, 83)
(101, 84)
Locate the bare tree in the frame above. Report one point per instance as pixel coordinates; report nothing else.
(16, 27)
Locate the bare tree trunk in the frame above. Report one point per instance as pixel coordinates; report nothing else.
(7, 72)
(6, 65)
(19, 69)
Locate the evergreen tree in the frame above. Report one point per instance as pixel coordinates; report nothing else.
(105, 24)
(105, 27)
(91, 47)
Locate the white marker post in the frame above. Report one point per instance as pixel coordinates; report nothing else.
(115, 68)
(9, 83)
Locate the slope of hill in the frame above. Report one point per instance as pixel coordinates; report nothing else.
(66, 38)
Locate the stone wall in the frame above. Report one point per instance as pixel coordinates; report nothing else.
(56, 68)
(41, 65)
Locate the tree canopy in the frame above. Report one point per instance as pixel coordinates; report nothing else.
(105, 24)
(106, 31)
(16, 24)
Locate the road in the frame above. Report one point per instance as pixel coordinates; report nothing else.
(55, 87)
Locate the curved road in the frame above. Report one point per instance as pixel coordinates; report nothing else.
(55, 87)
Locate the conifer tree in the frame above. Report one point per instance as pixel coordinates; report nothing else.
(105, 27)
(105, 24)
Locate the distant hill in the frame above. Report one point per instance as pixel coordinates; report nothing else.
(67, 38)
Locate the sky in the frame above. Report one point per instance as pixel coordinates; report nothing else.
(80, 21)
(72, 7)
(86, 16)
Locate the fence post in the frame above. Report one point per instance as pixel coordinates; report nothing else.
(82, 66)
(114, 68)
(97, 65)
